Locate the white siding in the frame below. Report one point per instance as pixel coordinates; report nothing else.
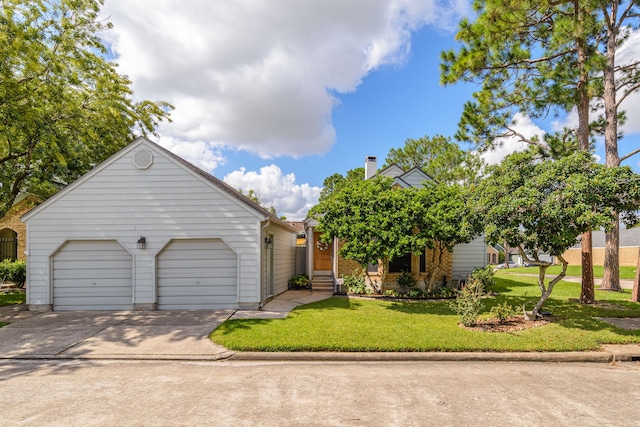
(469, 256)
(414, 178)
(164, 202)
(284, 247)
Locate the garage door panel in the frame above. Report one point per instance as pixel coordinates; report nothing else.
(191, 291)
(197, 274)
(86, 273)
(210, 262)
(92, 275)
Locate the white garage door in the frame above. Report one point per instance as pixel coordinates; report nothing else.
(197, 274)
(92, 275)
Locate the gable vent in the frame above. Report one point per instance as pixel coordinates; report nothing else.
(143, 159)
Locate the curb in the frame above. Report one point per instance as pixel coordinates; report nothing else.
(582, 357)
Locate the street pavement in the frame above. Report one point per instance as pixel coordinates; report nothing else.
(231, 393)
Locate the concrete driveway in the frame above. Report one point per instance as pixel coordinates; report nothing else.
(107, 334)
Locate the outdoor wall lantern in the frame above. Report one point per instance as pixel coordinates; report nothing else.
(268, 242)
(142, 242)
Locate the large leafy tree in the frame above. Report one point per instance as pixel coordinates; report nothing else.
(534, 58)
(63, 107)
(439, 157)
(377, 221)
(542, 205)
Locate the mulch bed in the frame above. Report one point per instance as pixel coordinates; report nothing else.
(512, 324)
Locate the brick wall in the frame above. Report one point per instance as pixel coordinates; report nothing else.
(12, 221)
(346, 267)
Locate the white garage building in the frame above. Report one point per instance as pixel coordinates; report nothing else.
(147, 230)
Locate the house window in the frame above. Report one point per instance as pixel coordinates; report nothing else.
(400, 264)
(8, 245)
(493, 258)
(372, 268)
(423, 262)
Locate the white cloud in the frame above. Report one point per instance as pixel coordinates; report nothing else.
(257, 75)
(505, 146)
(205, 155)
(275, 189)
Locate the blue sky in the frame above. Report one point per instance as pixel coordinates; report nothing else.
(276, 97)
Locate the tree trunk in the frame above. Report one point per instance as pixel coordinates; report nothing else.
(611, 277)
(546, 290)
(587, 294)
(635, 293)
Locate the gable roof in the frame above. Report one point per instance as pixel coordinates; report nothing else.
(411, 178)
(189, 167)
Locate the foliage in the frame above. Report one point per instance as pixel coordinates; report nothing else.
(335, 182)
(468, 302)
(438, 157)
(63, 107)
(544, 205)
(406, 281)
(14, 271)
(503, 311)
(529, 58)
(356, 284)
(299, 281)
(484, 276)
(379, 222)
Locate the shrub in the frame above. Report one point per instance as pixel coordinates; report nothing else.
(299, 281)
(503, 311)
(445, 292)
(355, 283)
(485, 276)
(15, 272)
(468, 302)
(406, 281)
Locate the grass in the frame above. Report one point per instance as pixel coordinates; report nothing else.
(12, 298)
(348, 324)
(574, 270)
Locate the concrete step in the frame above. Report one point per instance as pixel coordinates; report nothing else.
(322, 283)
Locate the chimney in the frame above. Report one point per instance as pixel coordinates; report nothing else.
(370, 167)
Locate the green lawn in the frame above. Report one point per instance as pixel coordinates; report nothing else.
(349, 324)
(574, 270)
(12, 298)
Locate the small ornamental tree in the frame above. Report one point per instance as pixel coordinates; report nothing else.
(370, 218)
(541, 205)
(445, 220)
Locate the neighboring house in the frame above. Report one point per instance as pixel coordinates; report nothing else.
(148, 230)
(493, 255)
(13, 232)
(324, 262)
(514, 256)
(629, 248)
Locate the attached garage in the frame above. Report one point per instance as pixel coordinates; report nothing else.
(92, 275)
(146, 230)
(197, 274)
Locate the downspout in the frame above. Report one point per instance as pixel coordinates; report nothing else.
(263, 230)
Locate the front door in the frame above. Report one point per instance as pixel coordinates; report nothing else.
(322, 253)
